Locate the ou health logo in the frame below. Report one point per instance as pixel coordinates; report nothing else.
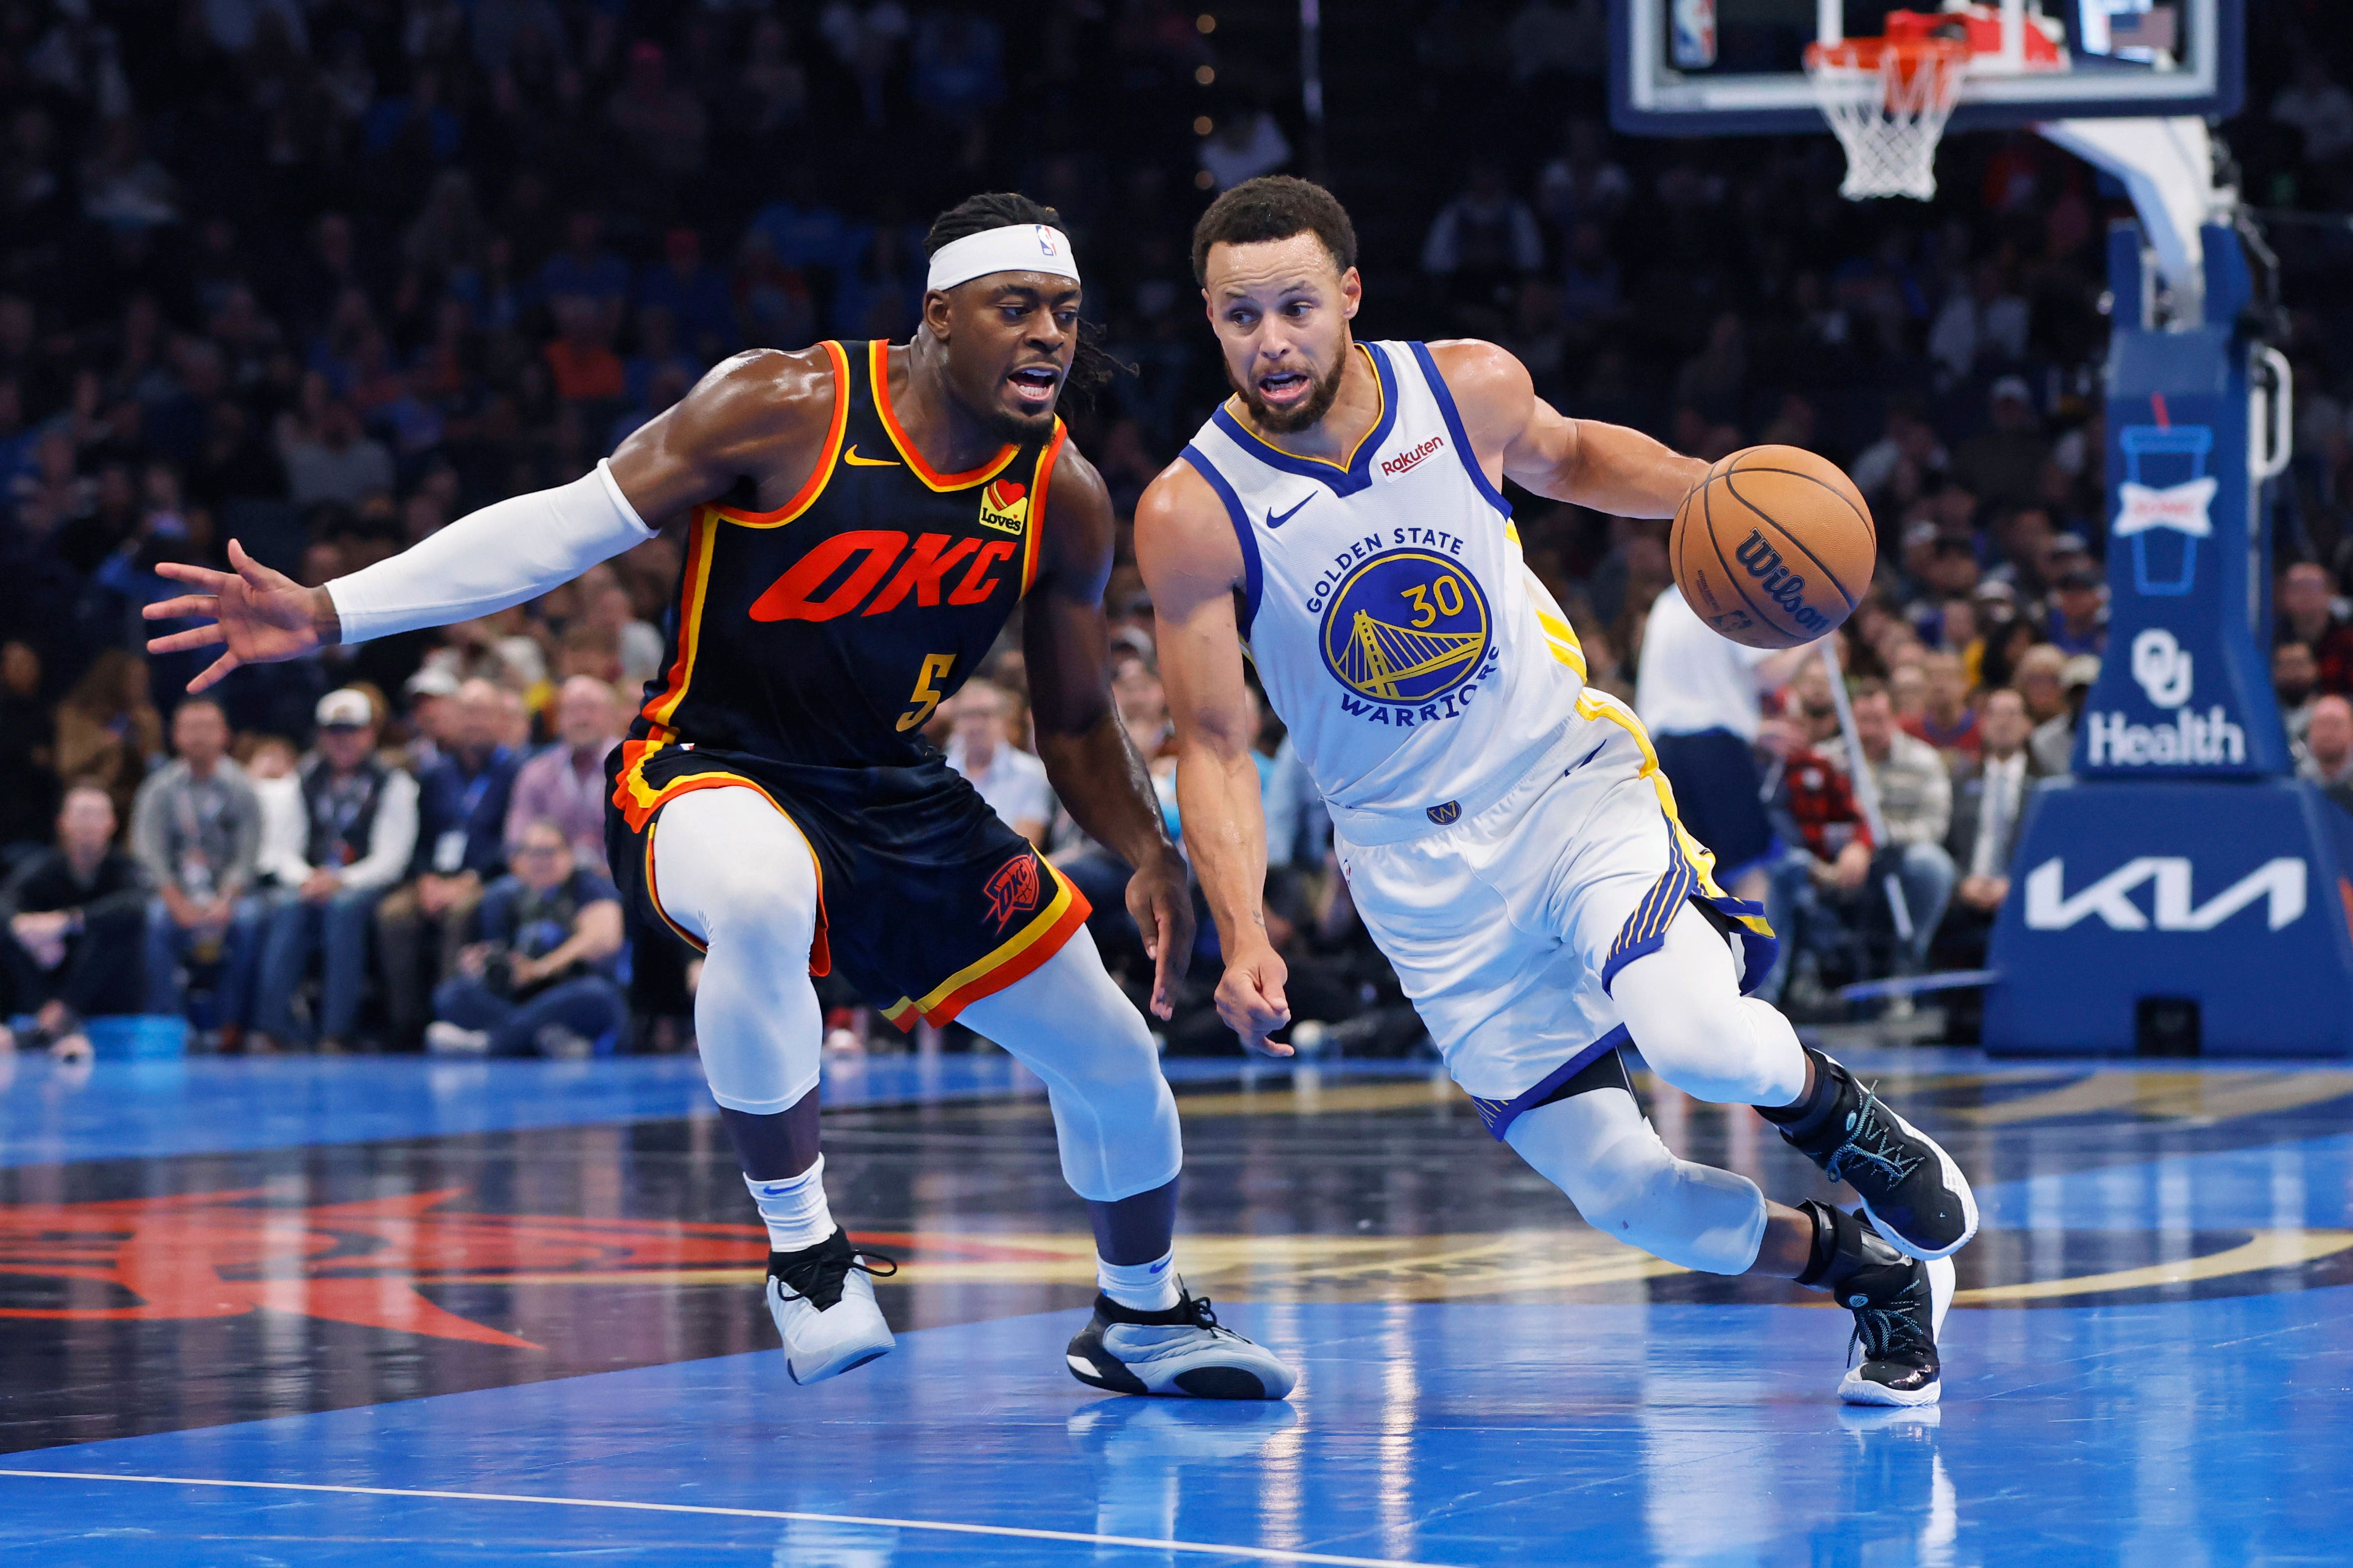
(2161, 664)
(1406, 627)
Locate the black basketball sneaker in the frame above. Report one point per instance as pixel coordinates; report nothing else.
(1909, 1187)
(1898, 1303)
(1180, 1350)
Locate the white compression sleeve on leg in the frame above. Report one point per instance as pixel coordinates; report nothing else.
(1113, 1116)
(487, 561)
(1685, 1009)
(1598, 1149)
(731, 868)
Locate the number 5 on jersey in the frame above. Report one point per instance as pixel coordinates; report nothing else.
(927, 693)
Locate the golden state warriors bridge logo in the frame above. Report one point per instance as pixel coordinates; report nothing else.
(1406, 627)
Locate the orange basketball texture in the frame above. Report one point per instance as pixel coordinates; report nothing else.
(1774, 548)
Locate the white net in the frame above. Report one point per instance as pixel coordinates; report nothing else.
(1888, 103)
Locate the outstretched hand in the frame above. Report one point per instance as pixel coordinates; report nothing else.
(262, 616)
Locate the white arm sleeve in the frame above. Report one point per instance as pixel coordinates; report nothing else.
(489, 560)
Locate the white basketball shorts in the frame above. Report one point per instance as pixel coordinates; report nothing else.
(1506, 928)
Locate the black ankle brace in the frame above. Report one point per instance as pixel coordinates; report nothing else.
(1827, 1241)
(1808, 1114)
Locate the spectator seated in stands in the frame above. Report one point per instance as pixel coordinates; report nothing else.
(1947, 721)
(196, 831)
(1989, 796)
(981, 748)
(361, 829)
(73, 915)
(545, 975)
(1825, 850)
(2295, 683)
(461, 820)
(2327, 758)
(2308, 614)
(1989, 807)
(1916, 806)
(565, 784)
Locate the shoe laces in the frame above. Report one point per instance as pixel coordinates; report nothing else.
(1870, 1141)
(816, 1275)
(1890, 1331)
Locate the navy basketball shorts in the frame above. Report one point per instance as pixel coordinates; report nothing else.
(927, 899)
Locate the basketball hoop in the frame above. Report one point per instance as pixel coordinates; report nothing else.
(1888, 99)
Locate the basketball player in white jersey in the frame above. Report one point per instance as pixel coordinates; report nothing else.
(1507, 836)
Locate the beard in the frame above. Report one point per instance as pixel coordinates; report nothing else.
(1291, 420)
(1020, 428)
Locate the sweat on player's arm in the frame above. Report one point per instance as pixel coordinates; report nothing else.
(1089, 759)
(1190, 560)
(1520, 436)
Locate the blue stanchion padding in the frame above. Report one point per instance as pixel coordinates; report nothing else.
(2231, 895)
(2184, 864)
(2185, 690)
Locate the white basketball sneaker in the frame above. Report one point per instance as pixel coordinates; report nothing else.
(823, 1300)
(1180, 1351)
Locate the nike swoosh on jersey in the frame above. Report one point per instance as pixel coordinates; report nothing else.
(1275, 520)
(855, 462)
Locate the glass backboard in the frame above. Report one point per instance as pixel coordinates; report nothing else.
(1707, 68)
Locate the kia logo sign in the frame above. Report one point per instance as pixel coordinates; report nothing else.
(2279, 884)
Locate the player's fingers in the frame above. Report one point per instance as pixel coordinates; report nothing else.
(214, 672)
(1163, 983)
(186, 604)
(186, 571)
(180, 642)
(252, 571)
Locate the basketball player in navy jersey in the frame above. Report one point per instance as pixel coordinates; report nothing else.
(864, 519)
(1506, 832)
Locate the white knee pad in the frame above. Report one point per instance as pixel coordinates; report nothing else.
(1113, 1116)
(1598, 1148)
(731, 868)
(1683, 1005)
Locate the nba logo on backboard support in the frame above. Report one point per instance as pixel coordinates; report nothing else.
(1694, 44)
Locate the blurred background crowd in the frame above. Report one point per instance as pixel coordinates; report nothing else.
(322, 275)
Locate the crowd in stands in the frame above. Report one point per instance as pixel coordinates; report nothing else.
(322, 275)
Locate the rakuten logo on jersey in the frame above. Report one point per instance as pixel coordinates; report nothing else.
(2278, 884)
(843, 573)
(1412, 457)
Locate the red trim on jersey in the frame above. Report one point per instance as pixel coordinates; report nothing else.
(1045, 477)
(814, 486)
(878, 370)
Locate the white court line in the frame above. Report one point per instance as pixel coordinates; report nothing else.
(1263, 1553)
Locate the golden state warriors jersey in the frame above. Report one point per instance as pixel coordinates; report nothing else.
(827, 631)
(1420, 665)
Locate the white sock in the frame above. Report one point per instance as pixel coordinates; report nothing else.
(1145, 1286)
(794, 1208)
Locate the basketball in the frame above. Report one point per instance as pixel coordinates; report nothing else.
(1774, 548)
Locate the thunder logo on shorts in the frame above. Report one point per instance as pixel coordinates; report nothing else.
(1407, 626)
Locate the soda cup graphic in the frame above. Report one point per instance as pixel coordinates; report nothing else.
(1695, 34)
(2165, 493)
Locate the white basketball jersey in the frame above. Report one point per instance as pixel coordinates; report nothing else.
(1420, 666)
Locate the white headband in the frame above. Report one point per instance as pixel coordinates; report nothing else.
(1018, 247)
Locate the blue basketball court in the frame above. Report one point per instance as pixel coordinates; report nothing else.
(363, 1311)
